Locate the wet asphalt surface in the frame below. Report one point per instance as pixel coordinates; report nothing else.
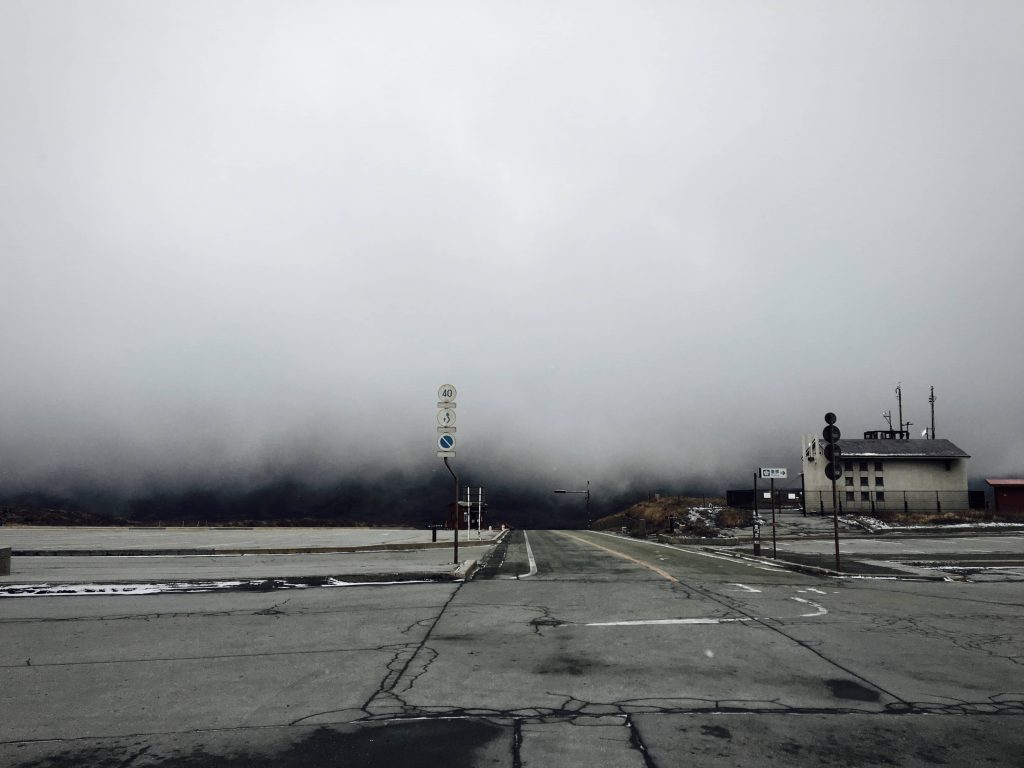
(567, 649)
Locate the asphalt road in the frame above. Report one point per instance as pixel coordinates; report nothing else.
(568, 649)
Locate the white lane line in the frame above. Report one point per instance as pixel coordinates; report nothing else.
(812, 589)
(649, 622)
(820, 612)
(744, 586)
(529, 554)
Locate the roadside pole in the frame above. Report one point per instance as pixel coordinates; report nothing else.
(480, 514)
(833, 470)
(757, 519)
(446, 444)
(771, 473)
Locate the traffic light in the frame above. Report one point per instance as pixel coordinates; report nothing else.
(833, 454)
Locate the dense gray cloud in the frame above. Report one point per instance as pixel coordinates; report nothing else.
(242, 240)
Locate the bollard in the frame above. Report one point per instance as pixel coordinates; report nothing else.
(5, 561)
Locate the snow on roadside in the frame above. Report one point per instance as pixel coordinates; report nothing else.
(874, 525)
(181, 587)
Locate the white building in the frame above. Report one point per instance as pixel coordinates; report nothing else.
(888, 472)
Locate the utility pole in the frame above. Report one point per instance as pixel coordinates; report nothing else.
(931, 400)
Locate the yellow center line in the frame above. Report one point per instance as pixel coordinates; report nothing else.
(648, 566)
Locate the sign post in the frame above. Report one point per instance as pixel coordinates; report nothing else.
(771, 473)
(757, 520)
(446, 444)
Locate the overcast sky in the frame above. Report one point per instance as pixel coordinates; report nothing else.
(240, 239)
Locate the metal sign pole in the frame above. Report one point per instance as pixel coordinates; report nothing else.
(757, 526)
(456, 526)
(775, 550)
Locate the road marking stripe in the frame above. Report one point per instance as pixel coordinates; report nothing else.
(820, 612)
(648, 566)
(650, 622)
(744, 586)
(529, 554)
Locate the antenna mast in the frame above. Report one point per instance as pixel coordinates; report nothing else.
(899, 401)
(931, 399)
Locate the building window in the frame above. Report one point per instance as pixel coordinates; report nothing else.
(879, 495)
(863, 466)
(865, 496)
(863, 481)
(879, 481)
(849, 495)
(849, 481)
(849, 466)
(878, 466)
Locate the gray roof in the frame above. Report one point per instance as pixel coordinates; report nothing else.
(905, 449)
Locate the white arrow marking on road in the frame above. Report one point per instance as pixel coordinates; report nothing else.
(821, 609)
(744, 586)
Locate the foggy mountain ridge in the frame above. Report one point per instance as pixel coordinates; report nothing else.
(396, 500)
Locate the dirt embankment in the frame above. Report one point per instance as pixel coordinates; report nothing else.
(693, 515)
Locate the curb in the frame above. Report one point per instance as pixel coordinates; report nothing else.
(466, 570)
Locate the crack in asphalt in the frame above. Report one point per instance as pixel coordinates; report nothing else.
(637, 743)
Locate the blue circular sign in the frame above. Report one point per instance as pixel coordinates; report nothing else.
(446, 442)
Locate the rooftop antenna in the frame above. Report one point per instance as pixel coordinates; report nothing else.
(887, 415)
(899, 400)
(931, 399)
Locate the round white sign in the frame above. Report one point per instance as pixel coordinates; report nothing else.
(446, 417)
(446, 393)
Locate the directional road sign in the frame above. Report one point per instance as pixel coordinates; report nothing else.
(773, 473)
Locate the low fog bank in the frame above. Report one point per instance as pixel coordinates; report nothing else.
(392, 499)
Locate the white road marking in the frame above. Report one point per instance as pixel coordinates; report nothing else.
(650, 622)
(812, 589)
(529, 554)
(820, 612)
(744, 586)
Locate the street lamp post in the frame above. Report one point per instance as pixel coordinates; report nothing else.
(587, 492)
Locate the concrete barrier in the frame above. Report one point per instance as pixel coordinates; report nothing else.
(5, 561)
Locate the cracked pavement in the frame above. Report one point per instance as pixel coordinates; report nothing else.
(613, 652)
